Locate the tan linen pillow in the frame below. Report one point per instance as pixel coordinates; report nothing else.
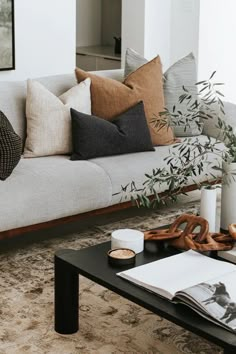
(111, 98)
(49, 120)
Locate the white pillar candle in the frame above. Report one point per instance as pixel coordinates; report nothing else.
(228, 196)
(208, 207)
(128, 238)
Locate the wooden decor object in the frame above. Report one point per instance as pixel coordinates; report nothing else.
(185, 239)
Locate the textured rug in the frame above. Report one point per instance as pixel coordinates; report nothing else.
(108, 323)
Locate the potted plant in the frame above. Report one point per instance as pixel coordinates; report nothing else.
(188, 158)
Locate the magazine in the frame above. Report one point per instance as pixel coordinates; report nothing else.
(205, 284)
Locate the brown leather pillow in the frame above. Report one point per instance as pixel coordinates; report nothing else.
(111, 98)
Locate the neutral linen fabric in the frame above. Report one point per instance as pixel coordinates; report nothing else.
(116, 74)
(96, 137)
(111, 98)
(49, 188)
(12, 103)
(10, 148)
(57, 84)
(48, 118)
(210, 125)
(133, 167)
(133, 61)
(13, 96)
(182, 73)
(191, 129)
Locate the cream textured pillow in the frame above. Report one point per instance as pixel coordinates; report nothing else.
(49, 120)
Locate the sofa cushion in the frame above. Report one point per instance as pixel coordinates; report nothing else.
(211, 127)
(111, 98)
(116, 74)
(49, 188)
(10, 148)
(13, 96)
(182, 73)
(48, 118)
(12, 103)
(95, 137)
(133, 167)
(133, 61)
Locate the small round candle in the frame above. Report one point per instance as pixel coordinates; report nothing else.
(122, 253)
(121, 256)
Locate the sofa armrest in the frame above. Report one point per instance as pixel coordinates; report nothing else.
(210, 125)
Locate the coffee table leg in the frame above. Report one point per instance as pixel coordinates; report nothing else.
(66, 299)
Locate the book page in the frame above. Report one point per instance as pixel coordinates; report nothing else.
(172, 274)
(216, 298)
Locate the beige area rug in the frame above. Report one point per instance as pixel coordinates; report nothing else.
(108, 323)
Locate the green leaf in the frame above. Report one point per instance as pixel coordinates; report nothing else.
(219, 93)
(200, 82)
(203, 89)
(212, 75)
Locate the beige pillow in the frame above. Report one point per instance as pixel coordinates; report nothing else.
(49, 120)
(111, 98)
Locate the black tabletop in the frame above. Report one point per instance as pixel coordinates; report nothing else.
(92, 262)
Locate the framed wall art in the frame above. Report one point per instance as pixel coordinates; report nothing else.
(7, 45)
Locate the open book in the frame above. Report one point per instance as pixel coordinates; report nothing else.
(207, 285)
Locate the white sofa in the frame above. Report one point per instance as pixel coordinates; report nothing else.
(49, 188)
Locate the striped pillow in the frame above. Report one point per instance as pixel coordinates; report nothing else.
(133, 61)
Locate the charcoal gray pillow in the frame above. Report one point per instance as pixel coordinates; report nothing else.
(95, 137)
(10, 148)
(182, 73)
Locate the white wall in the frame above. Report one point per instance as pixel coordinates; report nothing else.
(44, 39)
(207, 28)
(184, 28)
(158, 30)
(111, 21)
(168, 28)
(146, 28)
(217, 50)
(133, 26)
(88, 26)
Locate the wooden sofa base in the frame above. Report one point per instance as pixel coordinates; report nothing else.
(67, 219)
(111, 209)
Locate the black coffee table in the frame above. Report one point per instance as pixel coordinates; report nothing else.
(92, 263)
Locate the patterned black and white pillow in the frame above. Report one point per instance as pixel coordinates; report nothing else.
(10, 148)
